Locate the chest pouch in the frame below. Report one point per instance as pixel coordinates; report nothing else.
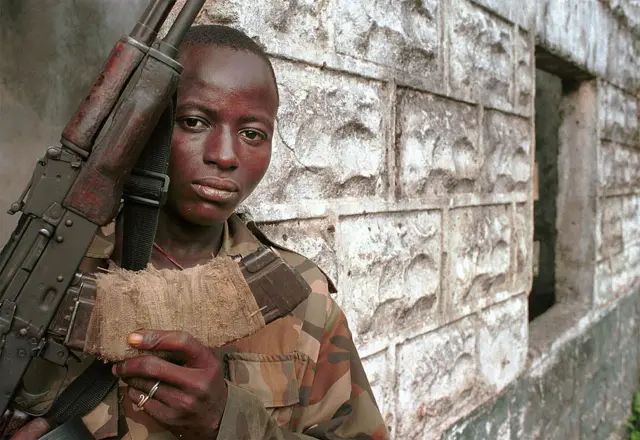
(217, 303)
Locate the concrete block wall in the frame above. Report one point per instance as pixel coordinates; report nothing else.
(581, 389)
(583, 363)
(618, 234)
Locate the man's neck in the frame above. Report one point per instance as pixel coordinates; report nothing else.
(187, 243)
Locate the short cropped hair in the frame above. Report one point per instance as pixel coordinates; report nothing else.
(228, 37)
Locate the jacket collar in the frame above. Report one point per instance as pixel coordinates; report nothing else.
(237, 239)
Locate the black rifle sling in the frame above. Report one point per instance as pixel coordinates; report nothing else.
(144, 194)
(83, 394)
(74, 429)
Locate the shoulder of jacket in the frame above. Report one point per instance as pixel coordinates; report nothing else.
(309, 270)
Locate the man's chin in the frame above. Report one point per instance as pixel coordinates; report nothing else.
(211, 216)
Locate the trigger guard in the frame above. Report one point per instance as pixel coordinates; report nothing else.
(25, 400)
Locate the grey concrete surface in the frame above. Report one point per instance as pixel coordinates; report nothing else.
(50, 52)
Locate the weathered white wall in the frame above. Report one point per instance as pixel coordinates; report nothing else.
(618, 237)
(50, 53)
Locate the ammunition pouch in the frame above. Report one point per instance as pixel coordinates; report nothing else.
(277, 288)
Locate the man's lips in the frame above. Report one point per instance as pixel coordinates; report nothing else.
(217, 183)
(216, 190)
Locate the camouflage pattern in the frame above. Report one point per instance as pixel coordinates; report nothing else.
(300, 377)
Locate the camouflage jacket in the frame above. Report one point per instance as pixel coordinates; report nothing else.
(300, 377)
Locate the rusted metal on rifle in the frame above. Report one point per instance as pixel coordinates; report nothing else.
(96, 192)
(85, 124)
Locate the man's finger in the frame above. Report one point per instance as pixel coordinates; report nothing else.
(154, 408)
(156, 369)
(188, 349)
(165, 393)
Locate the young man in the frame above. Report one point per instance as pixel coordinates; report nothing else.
(300, 377)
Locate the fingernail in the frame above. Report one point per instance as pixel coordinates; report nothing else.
(134, 339)
(114, 371)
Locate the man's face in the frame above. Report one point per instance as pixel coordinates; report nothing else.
(221, 147)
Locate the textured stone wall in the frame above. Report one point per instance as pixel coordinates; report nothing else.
(618, 234)
(582, 390)
(583, 364)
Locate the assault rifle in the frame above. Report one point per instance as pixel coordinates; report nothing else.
(108, 152)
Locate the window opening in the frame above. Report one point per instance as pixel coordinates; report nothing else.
(547, 120)
(564, 196)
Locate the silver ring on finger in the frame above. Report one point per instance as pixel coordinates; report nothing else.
(154, 389)
(143, 400)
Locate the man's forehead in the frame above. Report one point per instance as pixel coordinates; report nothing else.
(203, 58)
(222, 67)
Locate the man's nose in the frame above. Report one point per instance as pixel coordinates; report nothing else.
(219, 149)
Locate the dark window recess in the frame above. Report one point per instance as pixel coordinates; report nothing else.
(566, 162)
(549, 89)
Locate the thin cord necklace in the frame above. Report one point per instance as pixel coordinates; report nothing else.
(167, 256)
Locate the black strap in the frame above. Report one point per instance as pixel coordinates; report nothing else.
(83, 394)
(145, 192)
(74, 429)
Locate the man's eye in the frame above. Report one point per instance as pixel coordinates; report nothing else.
(253, 135)
(193, 123)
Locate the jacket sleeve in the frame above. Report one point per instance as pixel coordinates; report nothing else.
(338, 405)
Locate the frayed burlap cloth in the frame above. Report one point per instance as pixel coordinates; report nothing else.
(212, 302)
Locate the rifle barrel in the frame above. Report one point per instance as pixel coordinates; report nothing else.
(183, 22)
(147, 28)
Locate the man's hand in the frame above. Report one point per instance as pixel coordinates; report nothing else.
(190, 399)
